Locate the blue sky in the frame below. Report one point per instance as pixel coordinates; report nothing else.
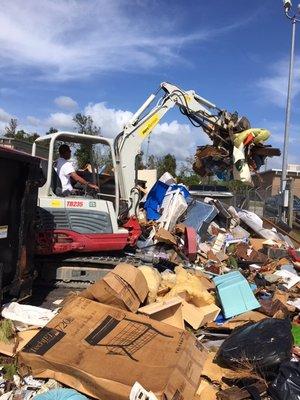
(105, 57)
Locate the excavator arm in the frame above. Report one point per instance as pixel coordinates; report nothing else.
(218, 124)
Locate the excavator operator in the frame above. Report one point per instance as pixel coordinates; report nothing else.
(66, 171)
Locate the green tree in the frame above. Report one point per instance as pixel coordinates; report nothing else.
(188, 180)
(51, 130)
(166, 163)
(186, 174)
(102, 157)
(27, 137)
(236, 186)
(152, 162)
(21, 135)
(12, 132)
(11, 128)
(85, 126)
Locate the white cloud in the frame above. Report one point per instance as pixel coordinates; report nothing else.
(274, 87)
(5, 92)
(277, 139)
(74, 39)
(33, 120)
(66, 102)
(2, 127)
(174, 137)
(110, 121)
(5, 116)
(178, 139)
(277, 132)
(60, 121)
(273, 163)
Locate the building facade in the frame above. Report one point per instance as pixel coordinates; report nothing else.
(267, 183)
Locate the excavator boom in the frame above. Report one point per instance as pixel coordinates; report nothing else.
(220, 125)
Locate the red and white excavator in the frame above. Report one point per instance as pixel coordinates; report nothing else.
(106, 221)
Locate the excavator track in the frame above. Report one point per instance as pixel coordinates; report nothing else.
(104, 260)
(79, 271)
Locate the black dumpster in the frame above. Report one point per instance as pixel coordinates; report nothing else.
(19, 181)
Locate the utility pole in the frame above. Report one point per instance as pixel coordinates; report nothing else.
(283, 185)
(291, 202)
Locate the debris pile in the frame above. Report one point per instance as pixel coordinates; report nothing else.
(211, 312)
(236, 154)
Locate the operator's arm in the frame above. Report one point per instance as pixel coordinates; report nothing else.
(81, 180)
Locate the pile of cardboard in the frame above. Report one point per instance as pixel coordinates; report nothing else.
(100, 344)
(159, 330)
(154, 331)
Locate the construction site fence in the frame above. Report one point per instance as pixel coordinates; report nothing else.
(252, 199)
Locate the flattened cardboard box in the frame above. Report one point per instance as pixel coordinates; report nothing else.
(198, 316)
(102, 351)
(168, 311)
(124, 287)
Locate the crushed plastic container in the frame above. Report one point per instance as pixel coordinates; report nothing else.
(200, 214)
(173, 206)
(235, 294)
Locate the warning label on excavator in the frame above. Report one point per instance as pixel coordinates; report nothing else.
(147, 127)
(3, 231)
(56, 203)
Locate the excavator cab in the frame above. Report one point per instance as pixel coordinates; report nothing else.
(86, 221)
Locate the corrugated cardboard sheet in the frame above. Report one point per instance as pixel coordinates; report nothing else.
(101, 351)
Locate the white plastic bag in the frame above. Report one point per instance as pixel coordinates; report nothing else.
(29, 315)
(256, 223)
